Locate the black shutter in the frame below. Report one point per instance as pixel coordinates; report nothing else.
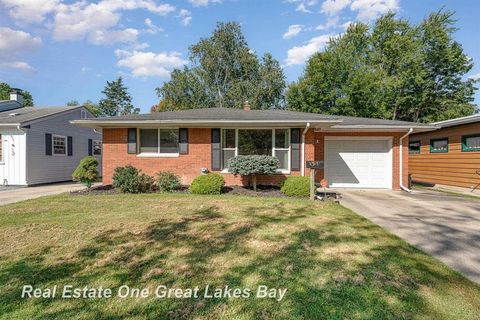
(216, 150)
(48, 144)
(70, 146)
(295, 146)
(90, 147)
(132, 140)
(183, 141)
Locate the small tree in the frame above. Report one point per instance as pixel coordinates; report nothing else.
(252, 166)
(86, 171)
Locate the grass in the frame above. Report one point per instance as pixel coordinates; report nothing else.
(334, 264)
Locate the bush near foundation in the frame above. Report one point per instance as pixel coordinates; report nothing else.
(131, 180)
(252, 166)
(211, 183)
(296, 186)
(167, 181)
(87, 171)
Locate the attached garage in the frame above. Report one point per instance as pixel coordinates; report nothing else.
(358, 162)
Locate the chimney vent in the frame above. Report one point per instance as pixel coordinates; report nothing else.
(246, 106)
(17, 95)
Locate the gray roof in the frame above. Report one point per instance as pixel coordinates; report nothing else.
(27, 114)
(230, 114)
(458, 121)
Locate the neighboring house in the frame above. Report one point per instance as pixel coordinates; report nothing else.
(449, 155)
(358, 152)
(40, 145)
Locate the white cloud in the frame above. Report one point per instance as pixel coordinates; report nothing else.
(152, 28)
(298, 55)
(185, 17)
(303, 5)
(128, 35)
(333, 7)
(17, 65)
(332, 22)
(293, 30)
(148, 64)
(202, 3)
(95, 21)
(84, 70)
(14, 43)
(371, 9)
(29, 11)
(366, 9)
(475, 77)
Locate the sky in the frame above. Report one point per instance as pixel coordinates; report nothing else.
(63, 50)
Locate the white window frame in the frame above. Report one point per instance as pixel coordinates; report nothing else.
(53, 145)
(279, 171)
(156, 154)
(93, 147)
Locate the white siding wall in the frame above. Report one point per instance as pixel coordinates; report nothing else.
(12, 166)
(45, 169)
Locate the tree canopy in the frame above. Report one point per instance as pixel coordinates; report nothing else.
(392, 70)
(224, 72)
(117, 100)
(5, 90)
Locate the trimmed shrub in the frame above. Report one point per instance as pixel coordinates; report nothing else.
(253, 165)
(167, 181)
(296, 186)
(131, 180)
(87, 171)
(211, 183)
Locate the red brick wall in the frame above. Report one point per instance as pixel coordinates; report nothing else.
(199, 156)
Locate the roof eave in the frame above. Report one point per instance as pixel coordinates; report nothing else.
(380, 128)
(203, 123)
(7, 125)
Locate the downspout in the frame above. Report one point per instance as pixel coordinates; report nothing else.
(303, 147)
(401, 160)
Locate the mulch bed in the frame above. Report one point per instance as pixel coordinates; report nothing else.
(262, 191)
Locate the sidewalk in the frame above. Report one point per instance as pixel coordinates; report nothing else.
(12, 195)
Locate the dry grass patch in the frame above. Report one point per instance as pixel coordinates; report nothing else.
(335, 264)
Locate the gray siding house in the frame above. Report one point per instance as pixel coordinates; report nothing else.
(40, 145)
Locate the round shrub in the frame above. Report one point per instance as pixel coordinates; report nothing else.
(253, 165)
(167, 181)
(211, 183)
(296, 186)
(131, 180)
(87, 171)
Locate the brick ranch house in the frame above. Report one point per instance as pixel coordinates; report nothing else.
(358, 152)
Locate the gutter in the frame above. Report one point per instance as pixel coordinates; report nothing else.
(401, 160)
(303, 147)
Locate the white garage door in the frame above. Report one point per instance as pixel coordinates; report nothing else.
(358, 163)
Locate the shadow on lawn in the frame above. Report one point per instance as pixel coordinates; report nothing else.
(186, 252)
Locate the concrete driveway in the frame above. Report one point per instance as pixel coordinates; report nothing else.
(12, 195)
(444, 226)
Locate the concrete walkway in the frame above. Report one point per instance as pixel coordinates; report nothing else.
(12, 195)
(444, 226)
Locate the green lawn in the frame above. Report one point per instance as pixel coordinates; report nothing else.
(333, 263)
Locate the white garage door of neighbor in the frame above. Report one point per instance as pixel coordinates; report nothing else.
(358, 162)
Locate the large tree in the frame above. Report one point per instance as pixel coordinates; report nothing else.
(224, 72)
(393, 70)
(117, 100)
(89, 105)
(5, 90)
